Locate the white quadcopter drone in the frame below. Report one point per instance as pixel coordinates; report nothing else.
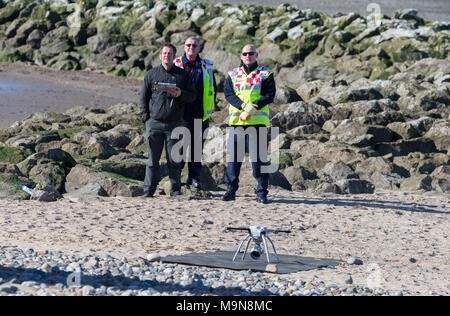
(258, 234)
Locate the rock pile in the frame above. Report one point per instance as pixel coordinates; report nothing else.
(362, 101)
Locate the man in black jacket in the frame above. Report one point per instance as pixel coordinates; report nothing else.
(162, 111)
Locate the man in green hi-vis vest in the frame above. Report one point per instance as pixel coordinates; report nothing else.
(197, 113)
(249, 90)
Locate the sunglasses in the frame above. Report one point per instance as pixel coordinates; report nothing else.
(248, 53)
(189, 45)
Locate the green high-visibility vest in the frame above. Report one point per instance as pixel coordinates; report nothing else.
(208, 85)
(248, 88)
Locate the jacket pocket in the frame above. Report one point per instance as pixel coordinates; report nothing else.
(162, 107)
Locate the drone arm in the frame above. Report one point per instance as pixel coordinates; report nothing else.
(238, 228)
(280, 231)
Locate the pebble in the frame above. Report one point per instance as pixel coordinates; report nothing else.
(8, 289)
(354, 261)
(153, 257)
(348, 279)
(53, 273)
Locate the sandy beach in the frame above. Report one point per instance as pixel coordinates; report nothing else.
(401, 238)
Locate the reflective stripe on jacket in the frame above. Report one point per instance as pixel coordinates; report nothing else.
(208, 85)
(248, 88)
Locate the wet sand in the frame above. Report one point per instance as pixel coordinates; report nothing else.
(25, 90)
(432, 10)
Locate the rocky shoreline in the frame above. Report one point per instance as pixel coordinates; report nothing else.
(362, 101)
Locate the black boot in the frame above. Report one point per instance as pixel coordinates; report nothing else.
(262, 198)
(149, 193)
(230, 195)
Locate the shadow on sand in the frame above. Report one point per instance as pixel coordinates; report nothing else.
(353, 202)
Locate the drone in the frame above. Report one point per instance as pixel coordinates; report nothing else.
(258, 234)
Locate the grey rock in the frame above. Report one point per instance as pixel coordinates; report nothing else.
(90, 190)
(79, 176)
(46, 193)
(419, 182)
(354, 261)
(348, 279)
(8, 289)
(88, 290)
(355, 186)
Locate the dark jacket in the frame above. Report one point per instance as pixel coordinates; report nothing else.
(268, 90)
(194, 110)
(161, 106)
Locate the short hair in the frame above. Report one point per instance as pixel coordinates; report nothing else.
(193, 38)
(174, 49)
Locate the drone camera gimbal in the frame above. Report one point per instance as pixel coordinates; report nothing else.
(258, 234)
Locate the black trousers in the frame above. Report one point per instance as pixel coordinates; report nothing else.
(157, 135)
(252, 139)
(195, 151)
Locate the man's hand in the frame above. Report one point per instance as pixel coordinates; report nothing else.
(249, 110)
(175, 92)
(244, 116)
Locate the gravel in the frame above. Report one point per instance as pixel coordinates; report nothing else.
(52, 273)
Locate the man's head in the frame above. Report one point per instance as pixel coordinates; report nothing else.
(249, 55)
(192, 48)
(167, 55)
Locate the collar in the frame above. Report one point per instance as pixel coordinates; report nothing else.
(186, 61)
(249, 69)
(170, 70)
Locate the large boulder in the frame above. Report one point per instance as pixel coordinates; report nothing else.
(45, 193)
(48, 173)
(337, 170)
(415, 183)
(100, 148)
(355, 186)
(354, 133)
(404, 147)
(132, 168)
(30, 142)
(300, 178)
(365, 109)
(441, 179)
(439, 133)
(114, 184)
(420, 163)
(413, 128)
(11, 11)
(299, 113)
(10, 178)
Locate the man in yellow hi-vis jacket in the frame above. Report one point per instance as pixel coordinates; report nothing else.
(249, 90)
